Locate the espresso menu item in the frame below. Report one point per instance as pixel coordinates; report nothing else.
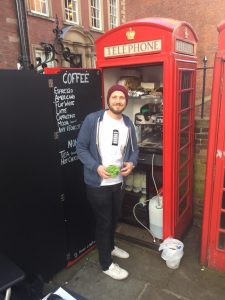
(66, 116)
(64, 103)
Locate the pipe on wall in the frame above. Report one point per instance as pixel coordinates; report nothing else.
(21, 15)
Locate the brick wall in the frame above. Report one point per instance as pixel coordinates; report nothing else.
(10, 44)
(39, 28)
(204, 16)
(201, 142)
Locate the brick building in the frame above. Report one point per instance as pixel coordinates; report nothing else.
(29, 23)
(9, 48)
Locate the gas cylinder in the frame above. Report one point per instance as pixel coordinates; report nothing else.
(156, 216)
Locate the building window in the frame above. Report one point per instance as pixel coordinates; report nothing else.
(40, 56)
(113, 13)
(71, 11)
(39, 7)
(96, 14)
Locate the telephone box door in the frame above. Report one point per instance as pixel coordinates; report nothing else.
(184, 140)
(216, 251)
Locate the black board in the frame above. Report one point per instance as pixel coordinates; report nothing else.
(32, 227)
(75, 93)
(45, 219)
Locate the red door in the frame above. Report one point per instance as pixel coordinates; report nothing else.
(183, 145)
(216, 247)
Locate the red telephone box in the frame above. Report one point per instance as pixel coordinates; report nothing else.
(156, 59)
(213, 227)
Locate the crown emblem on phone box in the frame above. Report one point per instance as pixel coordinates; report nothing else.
(130, 34)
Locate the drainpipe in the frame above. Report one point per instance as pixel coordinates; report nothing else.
(21, 15)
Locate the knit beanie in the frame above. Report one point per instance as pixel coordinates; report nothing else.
(117, 87)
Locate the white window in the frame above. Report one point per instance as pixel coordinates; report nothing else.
(96, 14)
(40, 56)
(71, 11)
(113, 13)
(39, 7)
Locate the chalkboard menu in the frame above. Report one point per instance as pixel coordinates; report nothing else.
(75, 93)
(45, 219)
(32, 225)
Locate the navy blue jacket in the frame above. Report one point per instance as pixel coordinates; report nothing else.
(88, 146)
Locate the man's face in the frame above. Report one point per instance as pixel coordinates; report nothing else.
(117, 102)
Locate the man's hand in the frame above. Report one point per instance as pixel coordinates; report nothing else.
(102, 172)
(127, 169)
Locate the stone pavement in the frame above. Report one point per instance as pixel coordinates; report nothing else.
(149, 278)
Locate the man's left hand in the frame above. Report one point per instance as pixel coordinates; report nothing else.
(127, 169)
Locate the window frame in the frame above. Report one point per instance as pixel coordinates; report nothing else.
(100, 19)
(77, 12)
(111, 16)
(48, 11)
(51, 64)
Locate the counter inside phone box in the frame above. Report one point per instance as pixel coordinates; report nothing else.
(143, 201)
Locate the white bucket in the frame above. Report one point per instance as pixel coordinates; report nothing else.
(173, 264)
(156, 216)
(172, 252)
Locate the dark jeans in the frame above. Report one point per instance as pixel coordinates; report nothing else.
(106, 202)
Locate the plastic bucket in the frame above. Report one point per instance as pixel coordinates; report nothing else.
(173, 264)
(172, 252)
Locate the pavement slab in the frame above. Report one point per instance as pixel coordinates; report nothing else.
(149, 276)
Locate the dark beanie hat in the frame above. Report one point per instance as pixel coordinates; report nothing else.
(117, 87)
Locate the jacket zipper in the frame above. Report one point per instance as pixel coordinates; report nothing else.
(97, 143)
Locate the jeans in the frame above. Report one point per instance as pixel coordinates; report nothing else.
(106, 203)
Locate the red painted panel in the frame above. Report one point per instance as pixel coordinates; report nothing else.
(213, 248)
(168, 31)
(136, 33)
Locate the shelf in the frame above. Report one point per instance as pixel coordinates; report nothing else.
(145, 97)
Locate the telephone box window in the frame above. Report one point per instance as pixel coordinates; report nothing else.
(39, 7)
(222, 220)
(186, 80)
(184, 155)
(221, 243)
(224, 181)
(223, 200)
(71, 11)
(96, 14)
(186, 88)
(183, 172)
(183, 189)
(184, 119)
(183, 205)
(184, 138)
(185, 100)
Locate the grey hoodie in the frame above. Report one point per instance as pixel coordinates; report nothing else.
(88, 142)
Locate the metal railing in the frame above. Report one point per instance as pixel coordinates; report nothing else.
(204, 68)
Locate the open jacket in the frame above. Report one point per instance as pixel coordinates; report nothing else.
(88, 146)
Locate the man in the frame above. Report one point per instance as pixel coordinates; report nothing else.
(107, 137)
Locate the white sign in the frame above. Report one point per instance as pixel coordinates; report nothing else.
(185, 47)
(62, 293)
(133, 48)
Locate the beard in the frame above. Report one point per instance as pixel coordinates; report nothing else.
(117, 109)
